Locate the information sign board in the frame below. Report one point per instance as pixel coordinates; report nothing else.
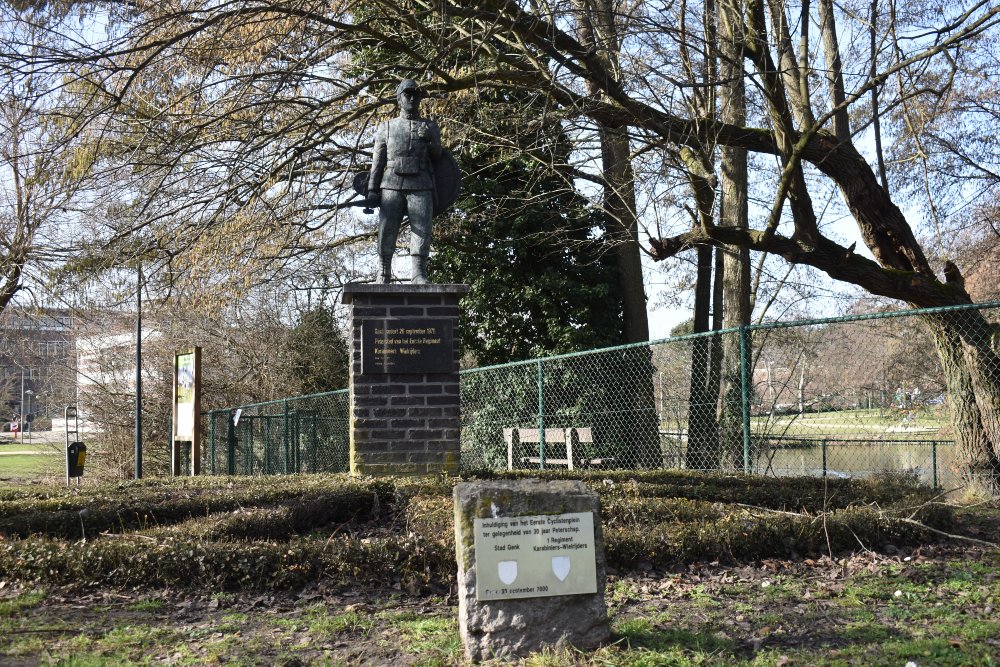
(187, 410)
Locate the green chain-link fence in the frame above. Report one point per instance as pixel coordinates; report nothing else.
(302, 434)
(842, 396)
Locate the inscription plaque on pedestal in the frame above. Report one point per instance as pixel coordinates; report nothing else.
(407, 345)
(535, 556)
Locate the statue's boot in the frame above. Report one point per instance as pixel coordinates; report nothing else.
(419, 275)
(385, 273)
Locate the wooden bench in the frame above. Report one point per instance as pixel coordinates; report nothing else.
(568, 437)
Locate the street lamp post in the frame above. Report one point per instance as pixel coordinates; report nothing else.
(27, 416)
(138, 375)
(20, 408)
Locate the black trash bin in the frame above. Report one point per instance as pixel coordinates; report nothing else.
(76, 456)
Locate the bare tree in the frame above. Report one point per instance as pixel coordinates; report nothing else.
(247, 117)
(41, 173)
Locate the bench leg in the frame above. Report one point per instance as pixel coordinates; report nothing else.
(569, 448)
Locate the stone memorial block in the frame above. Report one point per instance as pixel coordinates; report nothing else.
(531, 568)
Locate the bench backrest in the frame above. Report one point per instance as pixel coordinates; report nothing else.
(583, 434)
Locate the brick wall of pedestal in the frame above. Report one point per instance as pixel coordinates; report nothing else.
(404, 423)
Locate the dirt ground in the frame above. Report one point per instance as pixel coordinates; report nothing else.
(866, 609)
(932, 605)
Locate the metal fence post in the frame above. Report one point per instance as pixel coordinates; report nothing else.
(745, 386)
(822, 445)
(541, 416)
(934, 463)
(231, 443)
(266, 421)
(250, 447)
(659, 416)
(211, 439)
(297, 442)
(170, 439)
(312, 445)
(285, 438)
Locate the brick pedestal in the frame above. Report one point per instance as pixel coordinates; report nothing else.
(404, 378)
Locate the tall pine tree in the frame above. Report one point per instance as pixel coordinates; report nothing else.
(543, 281)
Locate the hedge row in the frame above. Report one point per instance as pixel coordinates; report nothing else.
(743, 535)
(673, 532)
(270, 487)
(434, 515)
(426, 553)
(302, 503)
(310, 503)
(131, 562)
(255, 533)
(808, 494)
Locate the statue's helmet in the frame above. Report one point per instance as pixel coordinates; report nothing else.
(408, 84)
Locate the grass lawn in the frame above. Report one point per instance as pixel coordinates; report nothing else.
(23, 461)
(917, 424)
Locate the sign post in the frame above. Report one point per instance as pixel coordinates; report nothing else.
(187, 411)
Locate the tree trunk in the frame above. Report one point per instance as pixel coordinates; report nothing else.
(733, 213)
(597, 29)
(971, 368)
(703, 433)
(623, 230)
(718, 323)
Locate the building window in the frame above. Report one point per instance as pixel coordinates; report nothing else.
(55, 348)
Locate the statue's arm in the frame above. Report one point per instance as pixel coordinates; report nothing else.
(378, 160)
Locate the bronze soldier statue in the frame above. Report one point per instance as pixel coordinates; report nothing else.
(402, 179)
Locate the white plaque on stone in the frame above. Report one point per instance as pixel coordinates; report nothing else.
(535, 556)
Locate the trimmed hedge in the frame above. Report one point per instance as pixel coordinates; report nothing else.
(746, 535)
(243, 524)
(809, 494)
(256, 533)
(626, 512)
(670, 533)
(130, 562)
(311, 503)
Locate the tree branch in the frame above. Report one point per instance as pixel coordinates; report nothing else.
(836, 261)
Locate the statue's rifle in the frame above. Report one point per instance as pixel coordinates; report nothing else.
(354, 203)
